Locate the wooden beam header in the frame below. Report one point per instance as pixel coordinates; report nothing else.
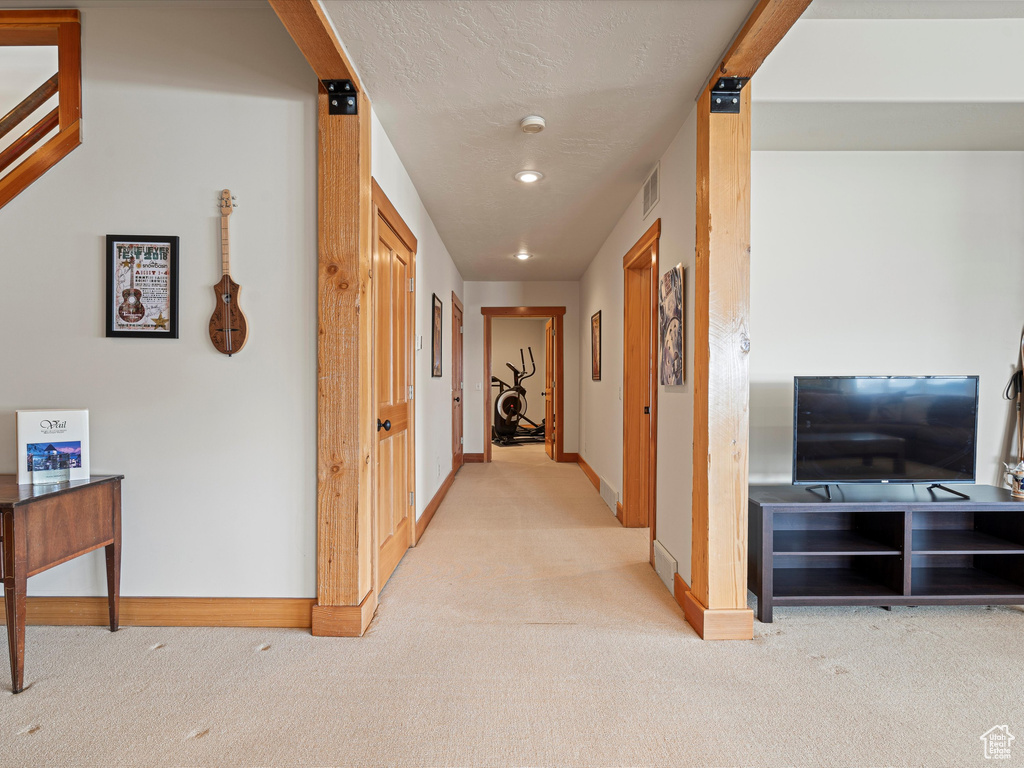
(767, 24)
(312, 31)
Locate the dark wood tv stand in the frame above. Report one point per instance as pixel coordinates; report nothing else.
(884, 545)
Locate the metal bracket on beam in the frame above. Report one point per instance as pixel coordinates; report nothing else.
(341, 95)
(725, 96)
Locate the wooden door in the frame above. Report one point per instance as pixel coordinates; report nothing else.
(392, 273)
(549, 389)
(636, 400)
(457, 385)
(640, 387)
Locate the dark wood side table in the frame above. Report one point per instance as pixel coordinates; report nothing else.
(46, 525)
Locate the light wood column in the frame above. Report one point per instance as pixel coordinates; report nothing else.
(345, 408)
(346, 444)
(716, 604)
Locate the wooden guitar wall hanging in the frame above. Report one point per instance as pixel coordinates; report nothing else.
(228, 327)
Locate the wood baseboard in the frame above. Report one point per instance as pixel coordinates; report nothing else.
(428, 513)
(344, 620)
(680, 588)
(618, 510)
(173, 611)
(590, 473)
(717, 623)
(569, 458)
(472, 458)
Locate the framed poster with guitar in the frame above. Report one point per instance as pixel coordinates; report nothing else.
(142, 286)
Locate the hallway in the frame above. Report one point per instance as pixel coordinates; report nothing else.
(526, 629)
(525, 543)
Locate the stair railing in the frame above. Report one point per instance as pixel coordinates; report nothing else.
(29, 156)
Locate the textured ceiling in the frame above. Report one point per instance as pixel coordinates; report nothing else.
(450, 81)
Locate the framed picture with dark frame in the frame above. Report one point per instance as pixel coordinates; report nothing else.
(435, 338)
(671, 331)
(142, 286)
(595, 346)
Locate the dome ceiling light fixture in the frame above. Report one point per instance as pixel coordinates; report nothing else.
(529, 177)
(523, 255)
(532, 124)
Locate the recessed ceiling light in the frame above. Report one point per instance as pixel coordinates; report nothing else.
(523, 255)
(528, 177)
(532, 124)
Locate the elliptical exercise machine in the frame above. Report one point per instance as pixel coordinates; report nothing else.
(510, 408)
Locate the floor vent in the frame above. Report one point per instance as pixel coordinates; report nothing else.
(652, 190)
(609, 496)
(665, 565)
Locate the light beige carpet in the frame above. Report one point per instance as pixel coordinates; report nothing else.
(527, 629)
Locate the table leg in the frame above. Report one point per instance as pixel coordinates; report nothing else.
(113, 552)
(15, 588)
(114, 584)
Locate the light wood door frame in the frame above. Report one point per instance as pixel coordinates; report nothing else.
(553, 313)
(550, 433)
(641, 257)
(384, 210)
(458, 368)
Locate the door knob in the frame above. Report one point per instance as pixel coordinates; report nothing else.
(386, 425)
(458, 400)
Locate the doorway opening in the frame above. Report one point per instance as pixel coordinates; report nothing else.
(640, 385)
(520, 383)
(523, 367)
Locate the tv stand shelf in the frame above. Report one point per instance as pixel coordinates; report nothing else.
(884, 545)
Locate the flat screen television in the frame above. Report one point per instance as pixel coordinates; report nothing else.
(884, 429)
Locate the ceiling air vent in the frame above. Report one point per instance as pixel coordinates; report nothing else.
(652, 191)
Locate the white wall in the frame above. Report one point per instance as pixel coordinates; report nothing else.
(509, 335)
(883, 263)
(219, 453)
(520, 294)
(948, 60)
(601, 405)
(435, 273)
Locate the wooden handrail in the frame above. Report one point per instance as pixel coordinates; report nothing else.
(28, 106)
(31, 137)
